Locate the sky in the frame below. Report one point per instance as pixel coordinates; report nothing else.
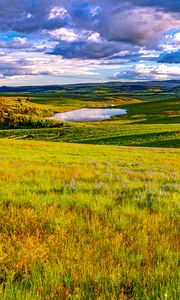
(77, 41)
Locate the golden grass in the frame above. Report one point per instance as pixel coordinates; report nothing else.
(88, 222)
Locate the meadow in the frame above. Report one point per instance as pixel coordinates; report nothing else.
(88, 221)
(106, 133)
(90, 210)
(153, 117)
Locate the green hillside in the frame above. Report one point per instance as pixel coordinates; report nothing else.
(152, 119)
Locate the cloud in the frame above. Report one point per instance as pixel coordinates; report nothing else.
(90, 35)
(28, 16)
(40, 64)
(171, 42)
(86, 49)
(167, 5)
(143, 72)
(115, 23)
(63, 34)
(134, 21)
(136, 25)
(16, 43)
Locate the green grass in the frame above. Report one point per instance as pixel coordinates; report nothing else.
(155, 112)
(108, 133)
(65, 100)
(91, 221)
(152, 123)
(88, 221)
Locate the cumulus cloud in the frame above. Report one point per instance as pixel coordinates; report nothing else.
(28, 16)
(136, 25)
(63, 34)
(116, 23)
(89, 49)
(109, 18)
(144, 72)
(114, 32)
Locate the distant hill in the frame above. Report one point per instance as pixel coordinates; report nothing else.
(170, 85)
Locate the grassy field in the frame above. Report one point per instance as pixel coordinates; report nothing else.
(88, 221)
(104, 133)
(90, 210)
(152, 122)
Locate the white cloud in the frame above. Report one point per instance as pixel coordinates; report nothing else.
(42, 64)
(63, 34)
(57, 12)
(150, 72)
(177, 37)
(171, 42)
(94, 37)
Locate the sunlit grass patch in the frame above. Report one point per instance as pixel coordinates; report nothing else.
(88, 222)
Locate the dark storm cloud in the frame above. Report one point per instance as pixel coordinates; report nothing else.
(117, 23)
(87, 49)
(136, 26)
(123, 20)
(168, 5)
(130, 58)
(118, 20)
(27, 16)
(170, 57)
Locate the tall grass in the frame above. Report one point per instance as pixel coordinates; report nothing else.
(88, 222)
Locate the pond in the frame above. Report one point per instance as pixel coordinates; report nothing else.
(89, 114)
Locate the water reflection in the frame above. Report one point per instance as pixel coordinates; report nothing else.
(89, 114)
